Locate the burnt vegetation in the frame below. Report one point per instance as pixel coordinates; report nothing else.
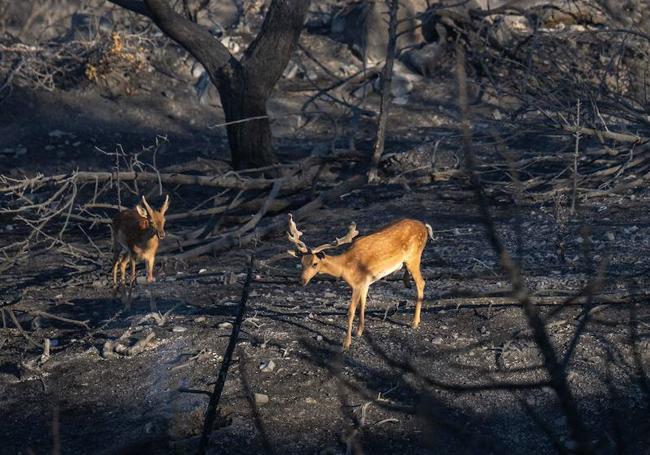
(518, 130)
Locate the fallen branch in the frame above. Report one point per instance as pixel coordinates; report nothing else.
(277, 224)
(227, 180)
(602, 134)
(43, 314)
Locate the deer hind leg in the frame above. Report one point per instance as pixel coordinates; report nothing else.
(363, 294)
(406, 279)
(414, 268)
(352, 309)
(134, 275)
(123, 260)
(116, 263)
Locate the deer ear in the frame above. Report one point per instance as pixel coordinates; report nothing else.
(141, 211)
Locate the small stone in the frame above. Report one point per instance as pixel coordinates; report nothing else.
(329, 295)
(253, 294)
(319, 337)
(228, 303)
(610, 236)
(437, 340)
(310, 400)
(261, 399)
(571, 445)
(200, 319)
(267, 367)
(56, 133)
(179, 329)
(225, 325)
(98, 284)
(202, 271)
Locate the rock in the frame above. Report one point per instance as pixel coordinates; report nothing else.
(225, 325)
(98, 284)
(319, 337)
(230, 279)
(610, 236)
(56, 133)
(179, 329)
(267, 367)
(437, 340)
(200, 319)
(310, 400)
(261, 399)
(202, 271)
(329, 295)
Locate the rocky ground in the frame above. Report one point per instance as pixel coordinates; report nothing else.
(467, 381)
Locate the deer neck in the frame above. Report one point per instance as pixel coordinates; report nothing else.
(334, 266)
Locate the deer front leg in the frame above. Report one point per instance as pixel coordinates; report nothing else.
(362, 310)
(150, 261)
(352, 309)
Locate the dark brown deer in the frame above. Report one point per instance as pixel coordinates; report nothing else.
(136, 235)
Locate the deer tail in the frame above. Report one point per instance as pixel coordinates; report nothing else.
(430, 230)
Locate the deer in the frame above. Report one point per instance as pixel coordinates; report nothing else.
(136, 235)
(369, 259)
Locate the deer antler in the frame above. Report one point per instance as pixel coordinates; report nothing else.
(147, 206)
(294, 237)
(352, 233)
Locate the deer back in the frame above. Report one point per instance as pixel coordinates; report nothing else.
(384, 251)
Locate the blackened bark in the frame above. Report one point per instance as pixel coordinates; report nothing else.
(244, 87)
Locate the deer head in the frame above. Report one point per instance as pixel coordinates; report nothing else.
(156, 218)
(312, 259)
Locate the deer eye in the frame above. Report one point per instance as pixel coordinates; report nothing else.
(314, 265)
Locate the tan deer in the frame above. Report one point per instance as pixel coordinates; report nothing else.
(369, 259)
(136, 235)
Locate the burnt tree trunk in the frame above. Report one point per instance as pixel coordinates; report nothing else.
(244, 85)
(249, 129)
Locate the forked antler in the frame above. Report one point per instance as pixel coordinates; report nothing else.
(352, 233)
(294, 237)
